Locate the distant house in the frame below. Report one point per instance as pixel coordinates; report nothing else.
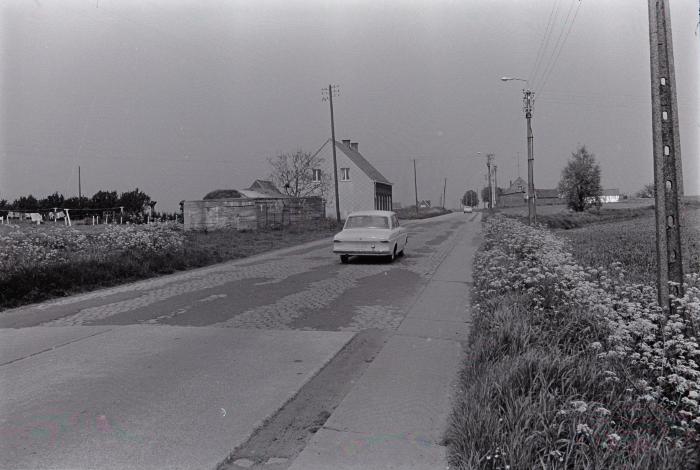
(266, 187)
(610, 195)
(360, 185)
(516, 195)
(424, 204)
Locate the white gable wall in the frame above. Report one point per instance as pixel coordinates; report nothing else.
(356, 194)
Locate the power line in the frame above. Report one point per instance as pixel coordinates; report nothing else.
(548, 73)
(545, 40)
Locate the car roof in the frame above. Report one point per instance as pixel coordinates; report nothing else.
(380, 213)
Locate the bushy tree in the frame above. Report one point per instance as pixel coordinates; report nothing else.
(470, 198)
(104, 200)
(134, 201)
(580, 180)
(486, 194)
(293, 174)
(76, 202)
(52, 200)
(26, 203)
(647, 191)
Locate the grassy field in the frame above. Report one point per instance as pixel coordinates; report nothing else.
(409, 213)
(633, 243)
(42, 262)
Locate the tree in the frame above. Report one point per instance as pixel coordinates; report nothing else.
(26, 203)
(470, 198)
(134, 201)
(486, 194)
(52, 201)
(647, 191)
(104, 200)
(580, 180)
(293, 173)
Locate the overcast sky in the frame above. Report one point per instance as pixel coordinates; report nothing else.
(182, 97)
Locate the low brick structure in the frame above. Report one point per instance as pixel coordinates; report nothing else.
(251, 214)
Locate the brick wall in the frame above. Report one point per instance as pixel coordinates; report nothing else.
(250, 214)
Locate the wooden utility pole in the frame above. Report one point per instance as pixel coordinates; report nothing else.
(489, 158)
(328, 94)
(444, 193)
(415, 184)
(495, 186)
(668, 175)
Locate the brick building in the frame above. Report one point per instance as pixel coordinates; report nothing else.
(360, 185)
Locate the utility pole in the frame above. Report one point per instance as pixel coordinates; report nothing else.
(495, 186)
(444, 193)
(328, 94)
(668, 176)
(528, 97)
(489, 158)
(80, 193)
(415, 184)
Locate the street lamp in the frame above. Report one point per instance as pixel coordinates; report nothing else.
(528, 100)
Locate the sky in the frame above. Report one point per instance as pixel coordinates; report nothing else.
(181, 97)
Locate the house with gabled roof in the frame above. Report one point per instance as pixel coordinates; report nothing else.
(265, 187)
(360, 185)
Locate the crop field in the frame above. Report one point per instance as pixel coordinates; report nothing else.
(632, 242)
(51, 260)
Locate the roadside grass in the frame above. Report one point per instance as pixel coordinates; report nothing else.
(564, 369)
(91, 263)
(570, 220)
(409, 213)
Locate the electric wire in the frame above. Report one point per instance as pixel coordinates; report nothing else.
(557, 43)
(544, 43)
(568, 32)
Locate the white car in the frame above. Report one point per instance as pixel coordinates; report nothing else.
(467, 209)
(371, 233)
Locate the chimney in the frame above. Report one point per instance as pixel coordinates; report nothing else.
(354, 146)
(346, 142)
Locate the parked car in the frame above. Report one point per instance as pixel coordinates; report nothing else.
(468, 209)
(371, 233)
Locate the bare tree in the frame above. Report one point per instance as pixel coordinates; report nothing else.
(300, 174)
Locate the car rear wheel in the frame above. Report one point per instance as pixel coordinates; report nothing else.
(344, 259)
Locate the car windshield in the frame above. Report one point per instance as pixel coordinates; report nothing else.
(367, 221)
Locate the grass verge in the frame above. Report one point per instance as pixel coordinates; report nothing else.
(38, 283)
(540, 387)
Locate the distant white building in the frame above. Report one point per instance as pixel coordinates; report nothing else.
(608, 195)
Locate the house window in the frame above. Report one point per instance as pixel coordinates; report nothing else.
(316, 177)
(345, 174)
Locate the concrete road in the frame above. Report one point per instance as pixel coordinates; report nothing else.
(178, 371)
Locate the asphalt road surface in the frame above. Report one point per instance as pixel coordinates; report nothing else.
(128, 377)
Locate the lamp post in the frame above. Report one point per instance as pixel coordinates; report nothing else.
(528, 101)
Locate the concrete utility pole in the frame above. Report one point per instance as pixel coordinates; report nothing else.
(328, 94)
(668, 176)
(80, 192)
(528, 101)
(531, 196)
(415, 184)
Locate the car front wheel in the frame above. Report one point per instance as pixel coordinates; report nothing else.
(344, 259)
